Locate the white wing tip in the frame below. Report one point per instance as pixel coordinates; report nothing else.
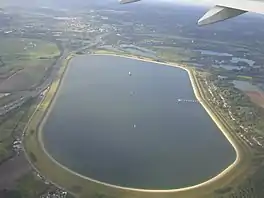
(219, 13)
(127, 1)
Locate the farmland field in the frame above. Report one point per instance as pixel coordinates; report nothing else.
(24, 62)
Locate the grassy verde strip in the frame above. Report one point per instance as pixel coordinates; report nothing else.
(87, 187)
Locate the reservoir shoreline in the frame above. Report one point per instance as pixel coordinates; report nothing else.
(196, 88)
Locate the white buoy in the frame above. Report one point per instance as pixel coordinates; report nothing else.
(129, 73)
(134, 126)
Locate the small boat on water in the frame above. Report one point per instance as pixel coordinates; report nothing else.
(129, 73)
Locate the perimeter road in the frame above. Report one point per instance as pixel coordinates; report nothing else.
(84, 186)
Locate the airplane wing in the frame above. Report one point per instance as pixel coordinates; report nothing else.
(225, 9)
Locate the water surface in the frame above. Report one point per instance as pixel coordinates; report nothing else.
(131, 130)
(213, 53)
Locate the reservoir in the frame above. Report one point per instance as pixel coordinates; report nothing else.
(134, 124)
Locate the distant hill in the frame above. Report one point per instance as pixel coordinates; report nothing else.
(55, 3)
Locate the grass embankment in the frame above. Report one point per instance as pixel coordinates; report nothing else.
(84, 187)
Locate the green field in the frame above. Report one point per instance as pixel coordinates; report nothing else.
(24, 62)
(6, 130)
(27, 47)
(173, 54)
(244, 77)
(10, 125)
(31, 186)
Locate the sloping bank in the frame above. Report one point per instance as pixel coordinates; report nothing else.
(86, 187)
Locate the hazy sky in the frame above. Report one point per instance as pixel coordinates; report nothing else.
(62, 2)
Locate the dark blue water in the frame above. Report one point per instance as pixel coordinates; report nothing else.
(131, 130)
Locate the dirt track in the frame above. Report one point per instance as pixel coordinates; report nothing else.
(256, 97)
